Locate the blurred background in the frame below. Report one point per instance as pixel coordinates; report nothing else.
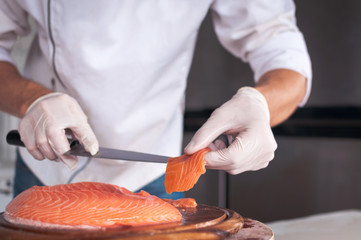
(311, 173)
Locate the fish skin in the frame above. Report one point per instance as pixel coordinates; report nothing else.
(88, 205)
(183, 172)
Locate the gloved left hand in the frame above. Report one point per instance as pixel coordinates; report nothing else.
(245, 119)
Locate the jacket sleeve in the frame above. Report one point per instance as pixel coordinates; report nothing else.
(264, 34)
(13, 23)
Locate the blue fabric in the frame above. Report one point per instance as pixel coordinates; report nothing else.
(25, 178)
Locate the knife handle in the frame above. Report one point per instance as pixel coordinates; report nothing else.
(13, 138)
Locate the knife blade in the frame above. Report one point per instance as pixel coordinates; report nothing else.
(76, 149)
(116, 154)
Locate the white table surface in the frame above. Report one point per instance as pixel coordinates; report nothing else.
(340, 225)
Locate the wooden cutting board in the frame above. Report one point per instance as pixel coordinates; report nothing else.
(203, 222)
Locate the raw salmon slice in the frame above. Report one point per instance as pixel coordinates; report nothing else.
(182, 203)
(184, 171)
(88, 205)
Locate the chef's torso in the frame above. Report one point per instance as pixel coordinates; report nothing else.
(126, 62)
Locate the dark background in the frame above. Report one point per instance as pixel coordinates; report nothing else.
(309, 174)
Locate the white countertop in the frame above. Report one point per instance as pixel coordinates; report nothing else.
(340, 225)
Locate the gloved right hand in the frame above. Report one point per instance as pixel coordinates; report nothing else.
(42, 129)
(245, 119)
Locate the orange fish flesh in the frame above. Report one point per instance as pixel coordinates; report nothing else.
(183, 172)
(182, 203)
(88, 205)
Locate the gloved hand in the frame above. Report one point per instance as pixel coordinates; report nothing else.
(245, 119)
(42, 129)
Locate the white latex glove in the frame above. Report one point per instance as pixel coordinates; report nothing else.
(42, 129)
(245, 119)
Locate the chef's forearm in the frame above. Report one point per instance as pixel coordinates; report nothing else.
(284, 90)
(16, 92)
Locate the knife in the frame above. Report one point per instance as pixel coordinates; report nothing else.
(76, 149)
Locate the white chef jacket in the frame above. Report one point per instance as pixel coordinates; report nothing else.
(126, 63)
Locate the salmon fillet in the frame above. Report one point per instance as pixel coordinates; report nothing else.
(183, 172)
(88, 205)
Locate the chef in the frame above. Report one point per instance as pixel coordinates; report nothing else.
(113, 74)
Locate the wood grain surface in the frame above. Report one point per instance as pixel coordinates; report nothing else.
(203, 222)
